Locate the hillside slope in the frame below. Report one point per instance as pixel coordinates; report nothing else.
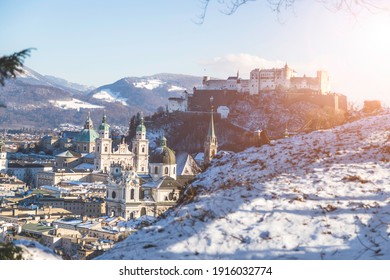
(323, 195)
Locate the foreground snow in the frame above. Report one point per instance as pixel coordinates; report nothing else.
(323, 195)
(32, 250)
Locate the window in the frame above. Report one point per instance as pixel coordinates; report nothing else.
(105, 149)
(155, 170)
(85, 148)
(143, 211)
(143, 149)
(98, 148)
(166, 170)
(132, 194)
(174, 170)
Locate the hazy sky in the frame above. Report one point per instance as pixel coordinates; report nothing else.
(97, 42)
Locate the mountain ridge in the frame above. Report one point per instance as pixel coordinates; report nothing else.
(32, 94)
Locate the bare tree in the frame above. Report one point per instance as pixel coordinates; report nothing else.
(229, 7)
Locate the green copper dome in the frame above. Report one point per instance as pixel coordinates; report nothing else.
(104, 125)
(163, 154)
(141, 127)
(87, 135)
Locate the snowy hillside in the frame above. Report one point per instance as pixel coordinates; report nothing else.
(323, 195)
(108, 96)
(73, 104)
(148, 84)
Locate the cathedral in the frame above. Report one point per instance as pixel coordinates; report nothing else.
(140, 183)
(136, 158)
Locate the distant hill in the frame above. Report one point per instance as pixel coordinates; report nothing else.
(37, 101)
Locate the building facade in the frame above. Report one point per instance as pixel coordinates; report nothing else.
(3, 158)
(261, 80)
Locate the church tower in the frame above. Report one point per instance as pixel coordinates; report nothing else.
(140, 149)
(103, 147)
(124, 193)
(211, 143)
(3, 158)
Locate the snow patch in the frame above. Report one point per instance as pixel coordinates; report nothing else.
(108, 96)
(32, 250)
(176, 88)
(73, 104)
(149, 84)
(27, 74)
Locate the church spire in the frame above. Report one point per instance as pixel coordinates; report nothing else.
(211, 132)
(211, 143)
(88, 123)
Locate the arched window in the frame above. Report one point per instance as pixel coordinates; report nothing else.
(105, 149)
(155, 170)
(166, 170)
(113, 194)
(132, 194)
(98, 148)
(143, 211)
(135, 150)
(143, 149)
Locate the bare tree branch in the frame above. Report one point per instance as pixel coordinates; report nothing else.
(351, 6)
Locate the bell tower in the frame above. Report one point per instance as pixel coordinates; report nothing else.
(140, 149)
(103, 148)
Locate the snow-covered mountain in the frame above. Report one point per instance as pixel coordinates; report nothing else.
(150, 91)
(322, 195)
(35, 100)
(69, 85)
(32, 77)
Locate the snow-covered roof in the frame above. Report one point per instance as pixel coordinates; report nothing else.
(84, 166)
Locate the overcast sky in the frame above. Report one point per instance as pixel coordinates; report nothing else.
(95, 42)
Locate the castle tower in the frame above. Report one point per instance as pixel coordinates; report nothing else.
(103, 147)
(211, 143)
(140, 149)
(3, 158)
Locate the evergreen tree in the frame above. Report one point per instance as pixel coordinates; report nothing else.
(9, 251)
(11, 65)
